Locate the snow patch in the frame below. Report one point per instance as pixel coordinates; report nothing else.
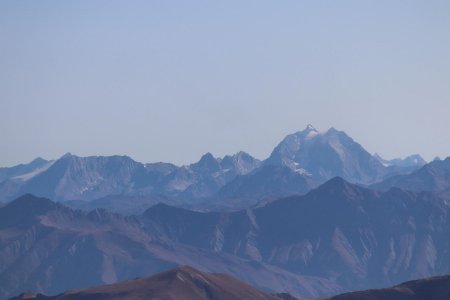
(28, 176)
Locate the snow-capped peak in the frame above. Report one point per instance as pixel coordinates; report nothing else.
(309, 127)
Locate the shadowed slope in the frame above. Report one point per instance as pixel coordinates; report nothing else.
(434, 288)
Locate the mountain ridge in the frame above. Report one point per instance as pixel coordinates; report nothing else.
(299, 163)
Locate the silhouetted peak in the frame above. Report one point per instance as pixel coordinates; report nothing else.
(207, 162)
(332, 130)
(25, 210)
(67, 155)
(338, 186)
(29, 201)
(38, 160)
(207, 158)
(336, 181)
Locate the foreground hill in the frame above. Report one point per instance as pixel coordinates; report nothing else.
(434, 288)
(184, 283)
(187, 283)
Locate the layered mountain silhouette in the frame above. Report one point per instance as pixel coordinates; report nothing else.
(302, 161)
(434, 288)
(336, 238)
(181, 283)
(48, 248)
(433, 177)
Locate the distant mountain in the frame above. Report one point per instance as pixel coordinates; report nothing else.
(23, 171)
(203, 179)
(433, 177)
(412, 161)
(265, 183)
(48, 248)
(434, 288)
(72, 178)
(181, 283)
(324, 155)
(301, 162)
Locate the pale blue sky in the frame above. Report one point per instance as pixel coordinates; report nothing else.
(171, 80)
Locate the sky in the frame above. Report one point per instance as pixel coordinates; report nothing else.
(171, 80)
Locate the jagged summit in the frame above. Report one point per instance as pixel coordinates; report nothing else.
(326, 155)
(310, 127)
(311, 157)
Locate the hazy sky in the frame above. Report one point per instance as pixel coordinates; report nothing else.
(170, 80)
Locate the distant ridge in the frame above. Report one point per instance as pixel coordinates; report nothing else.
(300, 162)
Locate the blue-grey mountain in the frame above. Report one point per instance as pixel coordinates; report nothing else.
(336, 238)
(301, 162)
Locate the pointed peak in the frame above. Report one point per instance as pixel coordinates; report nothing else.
(207, 162)
(243, 155)
(67, 155)
(38, 160)
(32, 200)
(207, 157)
(309, 127)
(338, 183)
(332, 130)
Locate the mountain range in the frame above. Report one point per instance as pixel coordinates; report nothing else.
(336, 238)
(320, 216)
(299, 163)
